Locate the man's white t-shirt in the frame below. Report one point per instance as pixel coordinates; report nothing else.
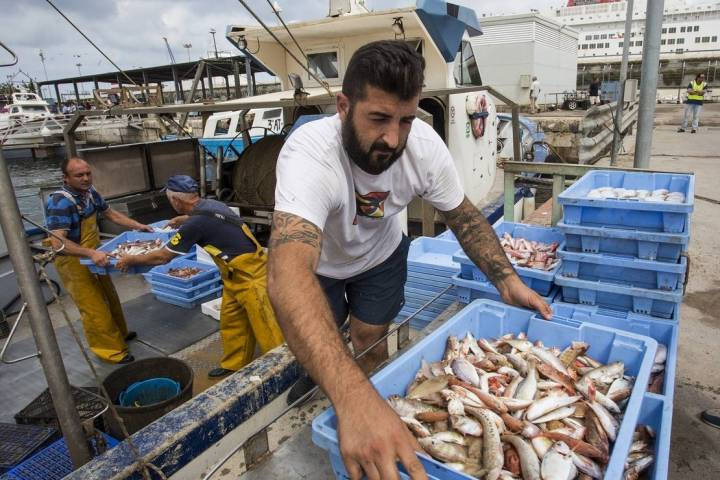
(356, 211)
(535, 89)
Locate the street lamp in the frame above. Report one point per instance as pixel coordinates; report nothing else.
(188, 46)
(212, 32)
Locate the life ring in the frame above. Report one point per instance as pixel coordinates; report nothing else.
(477, 110)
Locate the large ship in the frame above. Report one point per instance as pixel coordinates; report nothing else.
(689, 43)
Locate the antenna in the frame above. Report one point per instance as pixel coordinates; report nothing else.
(172, 57)
(42, 59)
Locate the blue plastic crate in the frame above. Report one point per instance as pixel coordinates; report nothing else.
(110, 246)
(662, 247)
(487, 319)
(648, 216)
(539, 280)
(160, 224)
(447, 235)
(663, 331)
(469, 290)
(657, 303)
(656, 412)
(619, 269)
(19, 441)
(188, 302)
(51, 463)
(159, 275)
(189, 292)
(427, 270)
(443, 300)
(426, 252)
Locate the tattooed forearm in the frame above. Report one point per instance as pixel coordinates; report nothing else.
(287, 228)
(479, 241)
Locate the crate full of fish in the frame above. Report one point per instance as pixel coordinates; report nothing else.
(629, 295)
(561, 399)
(654, 202)
(128, 243)
(664, 332)
(618, 269)
(628, 241)
(469, 290)
(532, 250)
(183, 273)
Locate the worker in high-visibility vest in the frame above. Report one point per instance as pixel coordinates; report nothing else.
(695, 98)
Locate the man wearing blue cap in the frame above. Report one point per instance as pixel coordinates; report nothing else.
(246, 316)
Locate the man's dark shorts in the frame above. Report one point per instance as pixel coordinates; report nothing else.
(375, 296)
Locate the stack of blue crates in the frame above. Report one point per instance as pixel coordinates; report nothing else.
(625, 254)
(471, 283)
(185, 292)
(430, 269)
(623, 267)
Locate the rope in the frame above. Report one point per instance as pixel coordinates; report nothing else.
(142, 465)
(277, 14)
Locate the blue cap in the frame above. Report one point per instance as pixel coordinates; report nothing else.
(181, 184)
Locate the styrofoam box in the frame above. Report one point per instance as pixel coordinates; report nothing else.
(488, 319)
(212, 308)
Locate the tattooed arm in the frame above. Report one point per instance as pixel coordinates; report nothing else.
(371, 435)
(481, 244)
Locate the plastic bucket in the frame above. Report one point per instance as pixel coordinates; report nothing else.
(149, 392)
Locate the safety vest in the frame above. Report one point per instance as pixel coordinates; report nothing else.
(697, 87)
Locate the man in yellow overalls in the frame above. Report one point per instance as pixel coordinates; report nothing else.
(72, 214)
(246, 316)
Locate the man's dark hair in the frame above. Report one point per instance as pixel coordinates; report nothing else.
(699, 75)
(389, 65)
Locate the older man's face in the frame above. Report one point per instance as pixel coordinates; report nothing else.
(78, 175)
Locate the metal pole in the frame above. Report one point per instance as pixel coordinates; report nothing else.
(248, 75)
(236, 78)
(682, 78)
(648, 83)
(621, 84)
(210, 82)
(42, 327)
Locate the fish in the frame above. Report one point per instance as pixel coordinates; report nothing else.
(492, 458)
(465, 371)
(449, 437)
(136, 247)
(529, 463)
(577, 445)
(568, 356)
(557, 414)
(660, 353)
(637, 467)
(184, 272)
(512, 460)
(556, 375)
(548, 404)
(557, 463)
(409, 407)
(446, 452)
(595, 434)
(547, 357)
(428, 387)
(608, 422)
(416, 427)
(588, 390)
(606, 373)
(512, 387)
(528, 387)
(466, 425)
(518, 363)
(585, 465)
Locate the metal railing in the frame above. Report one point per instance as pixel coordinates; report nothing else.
(597, 128)
(560, 173)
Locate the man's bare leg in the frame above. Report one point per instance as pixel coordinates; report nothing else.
(363, 335)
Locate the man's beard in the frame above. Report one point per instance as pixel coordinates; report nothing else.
(385, 156)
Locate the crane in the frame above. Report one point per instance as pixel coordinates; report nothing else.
(172, 57)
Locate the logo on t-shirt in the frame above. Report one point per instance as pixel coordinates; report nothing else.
(371, 204)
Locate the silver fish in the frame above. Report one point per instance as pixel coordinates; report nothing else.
(447, 452)
(465, 371)
(511, 389)
(608, 422)
(583, 385)
(557, 464)
(605, 374)
(416, 427)
(409, 408)
(521, 345)
(547, 357)
(548, 404)
(466, 425)
(518, 363)
(586, 465)
(515, 404)
(528, 387)
(452, 349)
(661, 353)
(529, 463)
(449, 437)
(541, 445)
(557, 414)
(428, 387)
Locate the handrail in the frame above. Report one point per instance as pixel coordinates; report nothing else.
(559, 172)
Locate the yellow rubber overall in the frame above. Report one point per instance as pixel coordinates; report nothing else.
(96, 298)
(246, 316)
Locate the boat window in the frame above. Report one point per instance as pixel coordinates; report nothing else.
(33, 108)
(222, 126)
(14, 109)
(466, 68)
(324, 64)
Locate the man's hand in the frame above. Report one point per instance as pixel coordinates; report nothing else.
(514, 292)
(145, 228)
(177, 221)
(99, 258)
(125, 262)
(373, 438)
